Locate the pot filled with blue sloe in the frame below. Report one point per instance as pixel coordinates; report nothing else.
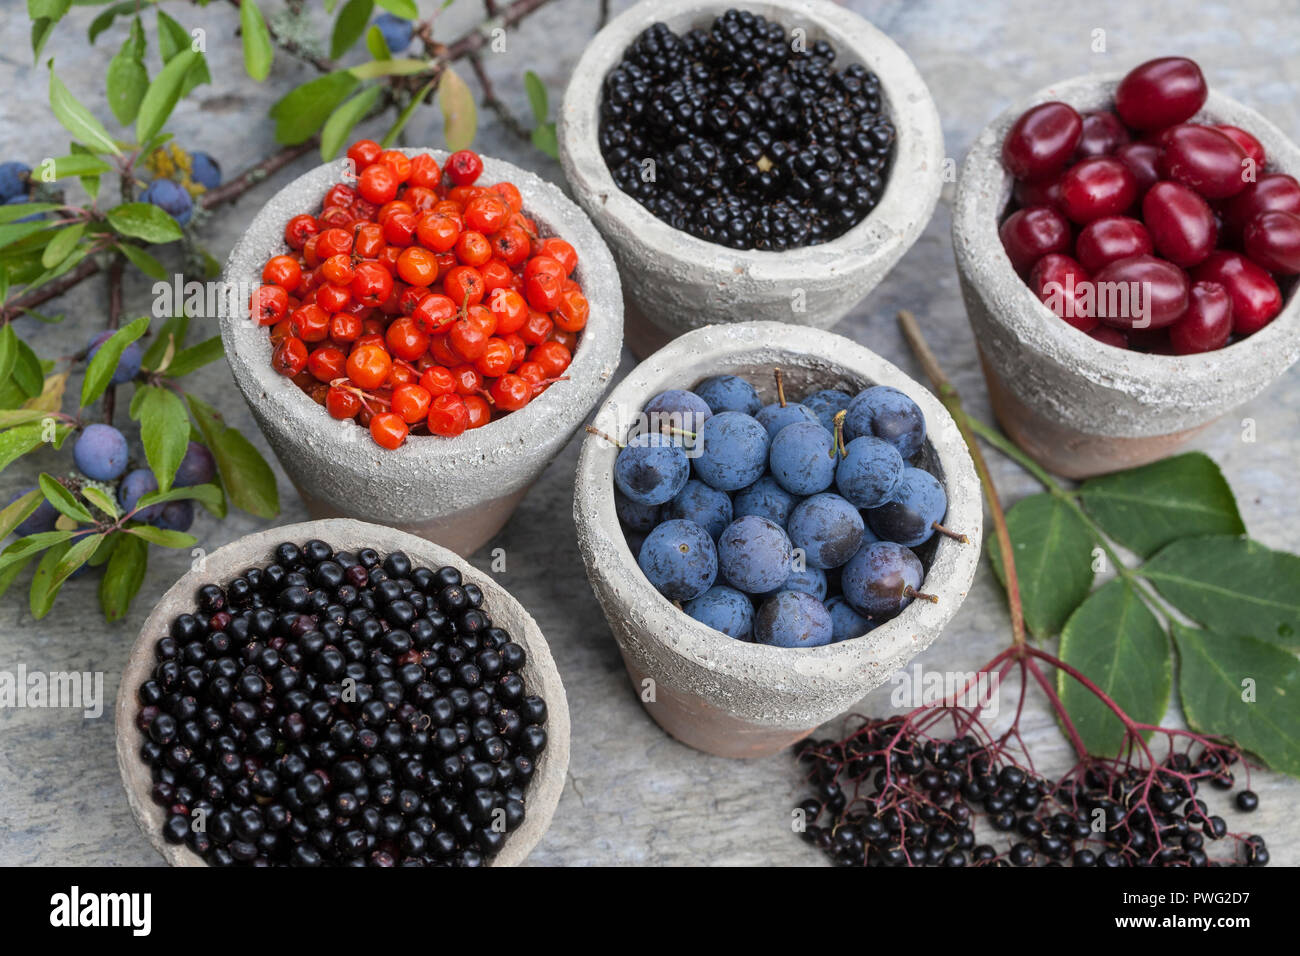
(774, 520)
(336, 693)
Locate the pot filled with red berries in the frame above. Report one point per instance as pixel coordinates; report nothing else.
(774, 520)
(420, 334)
(1128, 248)
(336, 693)
(745, 161)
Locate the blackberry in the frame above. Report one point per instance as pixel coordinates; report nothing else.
(389, 734)
(743, 137)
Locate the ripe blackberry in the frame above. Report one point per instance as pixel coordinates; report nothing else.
(298, 710)
(744, 137)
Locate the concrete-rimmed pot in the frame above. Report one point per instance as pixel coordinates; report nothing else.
(729, 697)
(674, 282)
(456, 491)
(229, 561)
(1076, 405)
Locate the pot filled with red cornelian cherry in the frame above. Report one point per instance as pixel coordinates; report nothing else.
(1128, 249)
(423, 333)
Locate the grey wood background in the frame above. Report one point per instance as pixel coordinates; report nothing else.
(634, 795)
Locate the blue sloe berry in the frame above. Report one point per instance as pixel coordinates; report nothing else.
(198, 467)
(889, 414)
(634, 515)
(651, 468)
(204, 170)
(869, 471)
(846, 623)
(754, 555)
(826, 404)
(881, 579)
(679, 559)
(39, 521)
(724, 609)
(135, 485)
(176, 516)
(801, 458)
(171, 198)
(14, 177)
(677, 408)
(101, 452)
(827, 529)
(729, 393)
(776, 416)
(707, 507)
(731, 451)
(793, 619)
(128, 366)
(397, 31)
(766, 499)
(810, 580)
(918, 503)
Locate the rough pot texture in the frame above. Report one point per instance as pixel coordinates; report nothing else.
(456, 491)
(675, 282)
(1077, 406)
(228, 562)
(730, 697)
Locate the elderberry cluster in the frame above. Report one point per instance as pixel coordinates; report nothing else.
(878, 801)
(742, 135)
(339, 708)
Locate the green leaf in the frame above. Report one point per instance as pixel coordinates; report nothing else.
(28, 374)
(162, 536)
(123, 576)
(25, 547)
(61, 246)
(247, 477)
(41, 30)
(1118, 644)
(144, 220)
(126, 84)
(339, 125)
(78, 164)
(1244, 689)
(16, 442)
(102, 501)
(12, 571)
(537, 99)
(1053, 553)
(405, 9)
(351, 23)
(44, 589)
(543, 138)
(169, 340)
(160, 99)
(1146, 508)
(105, 19)
(303, 110)
(164, 430)
(77, 555)
(172, 37)
(47, 9)
(19, 511)
(8, 352)
(377, 45)
(20, 416)
(78, 120)
(102, 366)
(391, 136)
(19, 210)
(1231, 585)
(380, 68)
(459, 114)
(210, 496)
(143, 261)
(196, 356)
(258, 50)
(63, 500)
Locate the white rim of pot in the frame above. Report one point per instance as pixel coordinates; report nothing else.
(915, 169)
(230, 560)
(983, 191)
(561, 407)
(746, 345)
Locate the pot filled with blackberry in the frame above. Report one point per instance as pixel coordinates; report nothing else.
(334, 703)
(427, 325)
(768, 160)
(774, 558)
(1147, 248)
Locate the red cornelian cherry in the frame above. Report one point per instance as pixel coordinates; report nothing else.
(1207, 324)
(1140, 292)
(1104, 240)
(1252, 147)
(1103, 133)
(1269, 193)
(1065, 287)
(1042, 192)
(1141, 160)
(1097, 187)
(1041, 140)
(1160, 93)
(1205, 160)
(1029, 234)
(1256, 298)
(1110, 336)
(1181, 223)
(1272, 240)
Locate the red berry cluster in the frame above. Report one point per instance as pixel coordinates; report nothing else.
(1140, 199)
(418, 301)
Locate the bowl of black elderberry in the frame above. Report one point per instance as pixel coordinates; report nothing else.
(749, 161)
(336, 693)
